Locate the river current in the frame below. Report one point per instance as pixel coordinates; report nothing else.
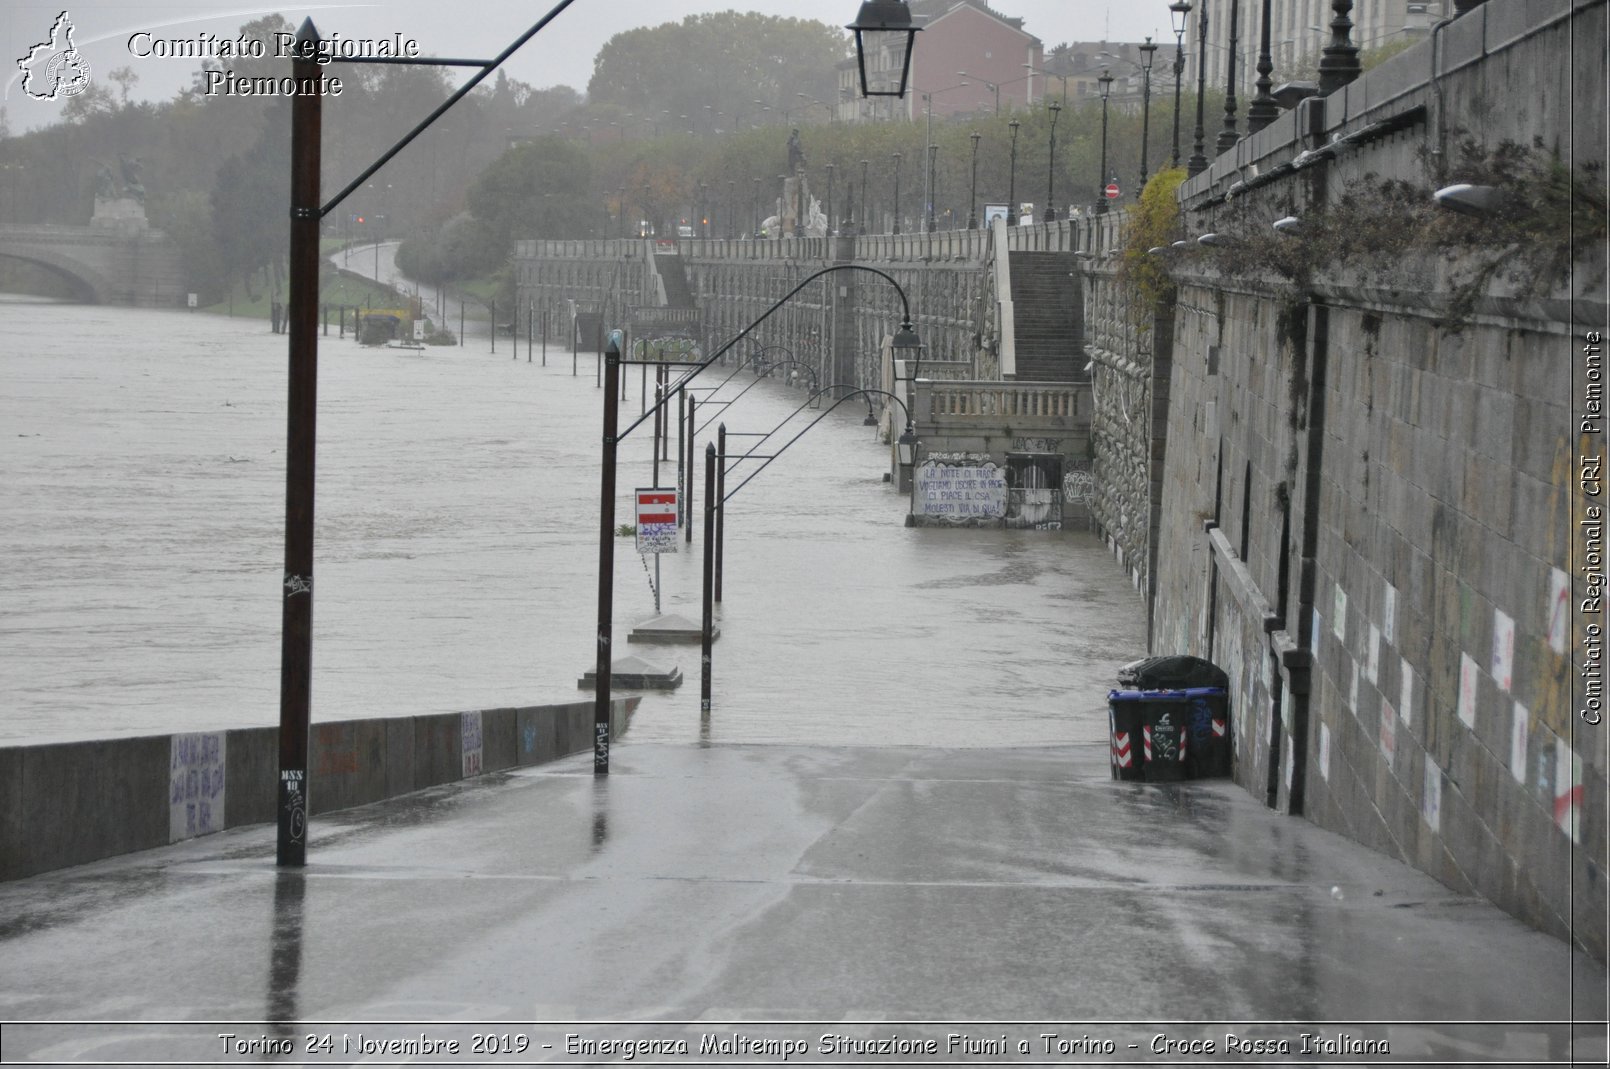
(142, 490)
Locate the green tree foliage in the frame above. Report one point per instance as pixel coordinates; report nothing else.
(542, 188)
(249, 236)
(725, 63)
(1153, 224)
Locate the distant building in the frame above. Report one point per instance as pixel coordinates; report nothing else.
(1002, 61)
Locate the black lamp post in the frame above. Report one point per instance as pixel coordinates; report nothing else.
(1011, 186)
(829, 201)
(1198, 162)
(933, 194)
(884, 25)
(704, 210)
(1263, 109)
(1105, 81)
(758, 220)
(1178, 11)
(865, 222)
(732, 208)
(1227, 135)
(1051, 176)
(1338, 62)
(972, 192)
(897, 193)
(1148, 52)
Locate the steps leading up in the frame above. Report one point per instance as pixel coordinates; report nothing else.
(1049, 315)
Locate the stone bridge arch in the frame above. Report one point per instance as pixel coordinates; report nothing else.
(88, 284)
(103, 265)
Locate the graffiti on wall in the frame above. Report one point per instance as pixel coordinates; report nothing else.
(195, 785)
(470, 729)
(969, 489)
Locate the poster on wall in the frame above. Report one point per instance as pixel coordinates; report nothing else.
(195, 785)
(959, 489)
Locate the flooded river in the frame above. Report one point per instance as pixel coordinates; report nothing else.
(142, 491)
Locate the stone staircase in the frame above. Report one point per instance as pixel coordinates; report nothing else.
(677, 294)
(1049, 315)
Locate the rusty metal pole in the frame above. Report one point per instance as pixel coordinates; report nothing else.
(296, 631)
(606, 560)
(709, 576)
(721, 499)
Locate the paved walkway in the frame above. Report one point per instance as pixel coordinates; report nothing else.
(879, 891)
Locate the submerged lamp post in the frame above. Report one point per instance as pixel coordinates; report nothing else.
(883, 28)
(904, 339)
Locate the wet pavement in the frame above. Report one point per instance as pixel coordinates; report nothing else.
(882, 890)
(898, 813)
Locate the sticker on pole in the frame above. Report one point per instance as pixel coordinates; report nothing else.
(656, 521)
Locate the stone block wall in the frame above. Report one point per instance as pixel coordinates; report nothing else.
(1377, 520)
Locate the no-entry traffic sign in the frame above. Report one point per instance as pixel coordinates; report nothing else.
(1112, 191)
(656, 520)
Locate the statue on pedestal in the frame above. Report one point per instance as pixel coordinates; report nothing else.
(796, 154)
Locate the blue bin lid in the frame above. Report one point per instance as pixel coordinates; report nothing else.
(1187, 694)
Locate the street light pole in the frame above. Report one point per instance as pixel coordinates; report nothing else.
(1149, 51)
(1051, 176)
(1264, 109)
(829, 201)
(897, 193)
(1227, 135)
(864, 220)
(933, 155)
(1011, 187)
(296, 649)
(1179, 10)
(972, 190)
(1105, 81)
(1198, 161)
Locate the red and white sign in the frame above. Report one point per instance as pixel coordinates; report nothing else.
(656, 520)
(1111, 191)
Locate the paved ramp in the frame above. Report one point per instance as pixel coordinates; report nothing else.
(883, 890)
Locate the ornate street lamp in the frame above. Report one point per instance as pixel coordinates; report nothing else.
(1105, 81)
(897, 193)
(1011, 188)
(884, 28)
(1198, 162)
(1263, 109)
(1148, 52)
(1178, 11)
(1227, 135)
(1051, 177)
(972, 192)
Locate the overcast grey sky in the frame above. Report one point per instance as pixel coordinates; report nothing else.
(562, 54)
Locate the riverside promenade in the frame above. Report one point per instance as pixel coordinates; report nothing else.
(771, 894)
(897, 824)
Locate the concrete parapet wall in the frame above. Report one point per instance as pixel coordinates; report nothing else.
(71, 803)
